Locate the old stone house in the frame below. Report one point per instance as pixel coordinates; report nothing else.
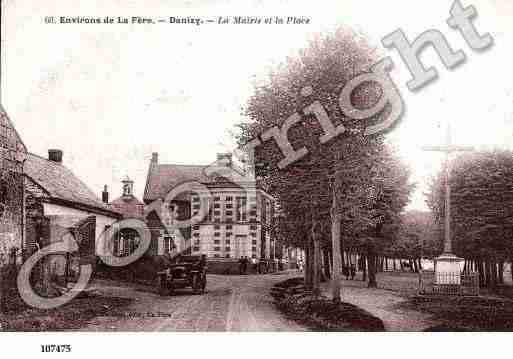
(60, 207)
(12, 229)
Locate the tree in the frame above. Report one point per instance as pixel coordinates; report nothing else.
(482, 209)
(419, 236)
(331, 182)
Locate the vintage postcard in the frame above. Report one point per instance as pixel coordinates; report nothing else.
(254, 166)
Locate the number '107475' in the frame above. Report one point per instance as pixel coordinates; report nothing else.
(54, 348)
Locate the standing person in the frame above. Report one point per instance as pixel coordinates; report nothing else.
(300, 265)
(245, 267)
(241, 264)
(353, 271)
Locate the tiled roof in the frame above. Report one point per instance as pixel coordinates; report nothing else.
(129, 206)
(162, 178)
(126, 200)
(61, 183)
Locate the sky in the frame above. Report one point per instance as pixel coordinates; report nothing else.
(109, 95)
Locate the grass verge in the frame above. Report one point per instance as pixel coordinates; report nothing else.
(459, 313)
(320, 313)
(73, 315)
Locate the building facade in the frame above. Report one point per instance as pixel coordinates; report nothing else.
(59, 205)
(126, 240)
(236, 224)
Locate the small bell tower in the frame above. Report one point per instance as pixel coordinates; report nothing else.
(128, 187)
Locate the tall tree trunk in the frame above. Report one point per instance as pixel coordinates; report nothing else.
(511, 269)
(316, 259)
(395, 266)
(488, 270)
(480, 269)
(327, 263)
(372, 267)
(364, 267)
(501, 272)
(337, 258)
(308, 265)
(493, 270)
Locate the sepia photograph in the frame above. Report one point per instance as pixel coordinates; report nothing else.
(170, 168)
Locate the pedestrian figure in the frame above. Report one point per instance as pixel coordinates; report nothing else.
(300, 265)
(353, 271)
(345, 272)
(246, 264)
(241, 265)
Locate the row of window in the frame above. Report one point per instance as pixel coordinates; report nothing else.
(217, 255)
(227, 199)
(228, 227)
(218, 249)
(227, 213)
(218, 234)
(226, 241)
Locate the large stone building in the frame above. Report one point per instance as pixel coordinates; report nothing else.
(12, 155)
(238, 223)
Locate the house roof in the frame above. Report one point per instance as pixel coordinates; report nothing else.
(62, 186)
(126, 200)
(3, 115)
(129, 206)
(162, 178)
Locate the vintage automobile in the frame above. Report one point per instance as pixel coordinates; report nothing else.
(187, 271)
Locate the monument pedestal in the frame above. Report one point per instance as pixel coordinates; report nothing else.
(448, 269)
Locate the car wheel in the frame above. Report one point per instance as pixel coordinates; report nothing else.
(204, 285)
(163, 290)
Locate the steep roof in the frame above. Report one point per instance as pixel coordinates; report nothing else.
(164, 177)
(62, 185)
(126, 200)
(5, 117)
(129, 206)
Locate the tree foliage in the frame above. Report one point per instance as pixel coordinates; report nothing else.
(481, 204)
(360, 172)
(419, 236)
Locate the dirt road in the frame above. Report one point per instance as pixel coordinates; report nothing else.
(232, 303)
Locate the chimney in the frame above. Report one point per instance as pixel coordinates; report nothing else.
(55, 155)
(105, 195)
(155, 158)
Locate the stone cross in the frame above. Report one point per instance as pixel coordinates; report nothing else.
(447, 148)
